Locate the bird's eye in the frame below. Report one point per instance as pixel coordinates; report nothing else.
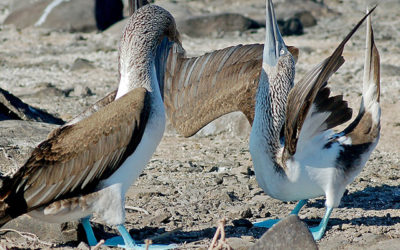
(282, 51)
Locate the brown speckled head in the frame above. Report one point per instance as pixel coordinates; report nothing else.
(145, 29)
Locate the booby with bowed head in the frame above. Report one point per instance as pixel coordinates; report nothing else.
(310, 160)
(87, 167)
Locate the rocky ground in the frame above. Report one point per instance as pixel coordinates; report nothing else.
(191, 183)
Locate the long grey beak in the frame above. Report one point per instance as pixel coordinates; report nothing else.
(274, 45)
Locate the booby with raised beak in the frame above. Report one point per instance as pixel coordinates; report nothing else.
(308, 159)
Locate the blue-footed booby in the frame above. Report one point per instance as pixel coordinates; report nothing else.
(308, 159)
(88, 165)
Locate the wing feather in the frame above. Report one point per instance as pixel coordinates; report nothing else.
(302, 97)
(78, 156)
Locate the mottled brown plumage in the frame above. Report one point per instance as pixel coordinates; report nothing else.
(66, 159)
(200, 89)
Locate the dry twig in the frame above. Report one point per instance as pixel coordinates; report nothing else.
(137, 209)
(148, 243)
(222, 244)
(101, 242)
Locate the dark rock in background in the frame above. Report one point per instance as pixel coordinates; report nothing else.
(108, 12)
(289, 233)
(12, 108)
(72, 15)
(292, 26)
(206, 25)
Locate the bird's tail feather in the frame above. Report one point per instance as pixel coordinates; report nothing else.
(371, 80)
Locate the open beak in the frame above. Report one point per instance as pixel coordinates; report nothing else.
(274, 45)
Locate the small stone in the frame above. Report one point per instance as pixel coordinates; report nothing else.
(83, 246)
(82, 91)
(219, 181)
(242, 223)
(81, 64)
(246, 213)
(160, 218)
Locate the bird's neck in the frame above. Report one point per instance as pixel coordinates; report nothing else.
(270, 112)
(135, 72)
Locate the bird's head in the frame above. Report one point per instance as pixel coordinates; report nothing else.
(276, 53)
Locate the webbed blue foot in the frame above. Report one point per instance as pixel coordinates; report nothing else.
(271, 222)
(127, 242)
(266, 223)
(89, 231)
(319, 231)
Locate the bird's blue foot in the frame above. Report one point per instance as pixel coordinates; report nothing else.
(271, 222)
(318, 232)
(266, 223)
(127, 242)
(89, 231)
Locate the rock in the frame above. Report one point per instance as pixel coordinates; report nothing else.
(215, 24)
(289, 233)
(108, 12)
(68, 15)
(44, 90)
(17, 140)
(291, 8)
(26, 13)
(306, 18)
(12, 108)
(83, 246)
(157, 219)
(82, 91)
(235, 124)
(292, 26)
(238, 243)
(242, 223)
(50, 232)
(81, 64)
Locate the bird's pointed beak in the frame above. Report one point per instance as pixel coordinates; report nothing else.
(274, 45)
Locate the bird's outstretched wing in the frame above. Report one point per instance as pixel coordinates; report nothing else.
(309, 101)
(199, 90)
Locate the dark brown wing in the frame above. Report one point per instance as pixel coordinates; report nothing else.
(311, 91)
(78, 156)
(198, 90)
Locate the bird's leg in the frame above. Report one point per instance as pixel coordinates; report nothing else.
(91, 239)
(269, 223)
(319, 231)
(298, 207)
(127, 242)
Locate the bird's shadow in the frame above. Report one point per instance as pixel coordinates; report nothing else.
(161, 236)
(371, 198)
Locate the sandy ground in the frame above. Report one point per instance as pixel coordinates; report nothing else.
(192, 183)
